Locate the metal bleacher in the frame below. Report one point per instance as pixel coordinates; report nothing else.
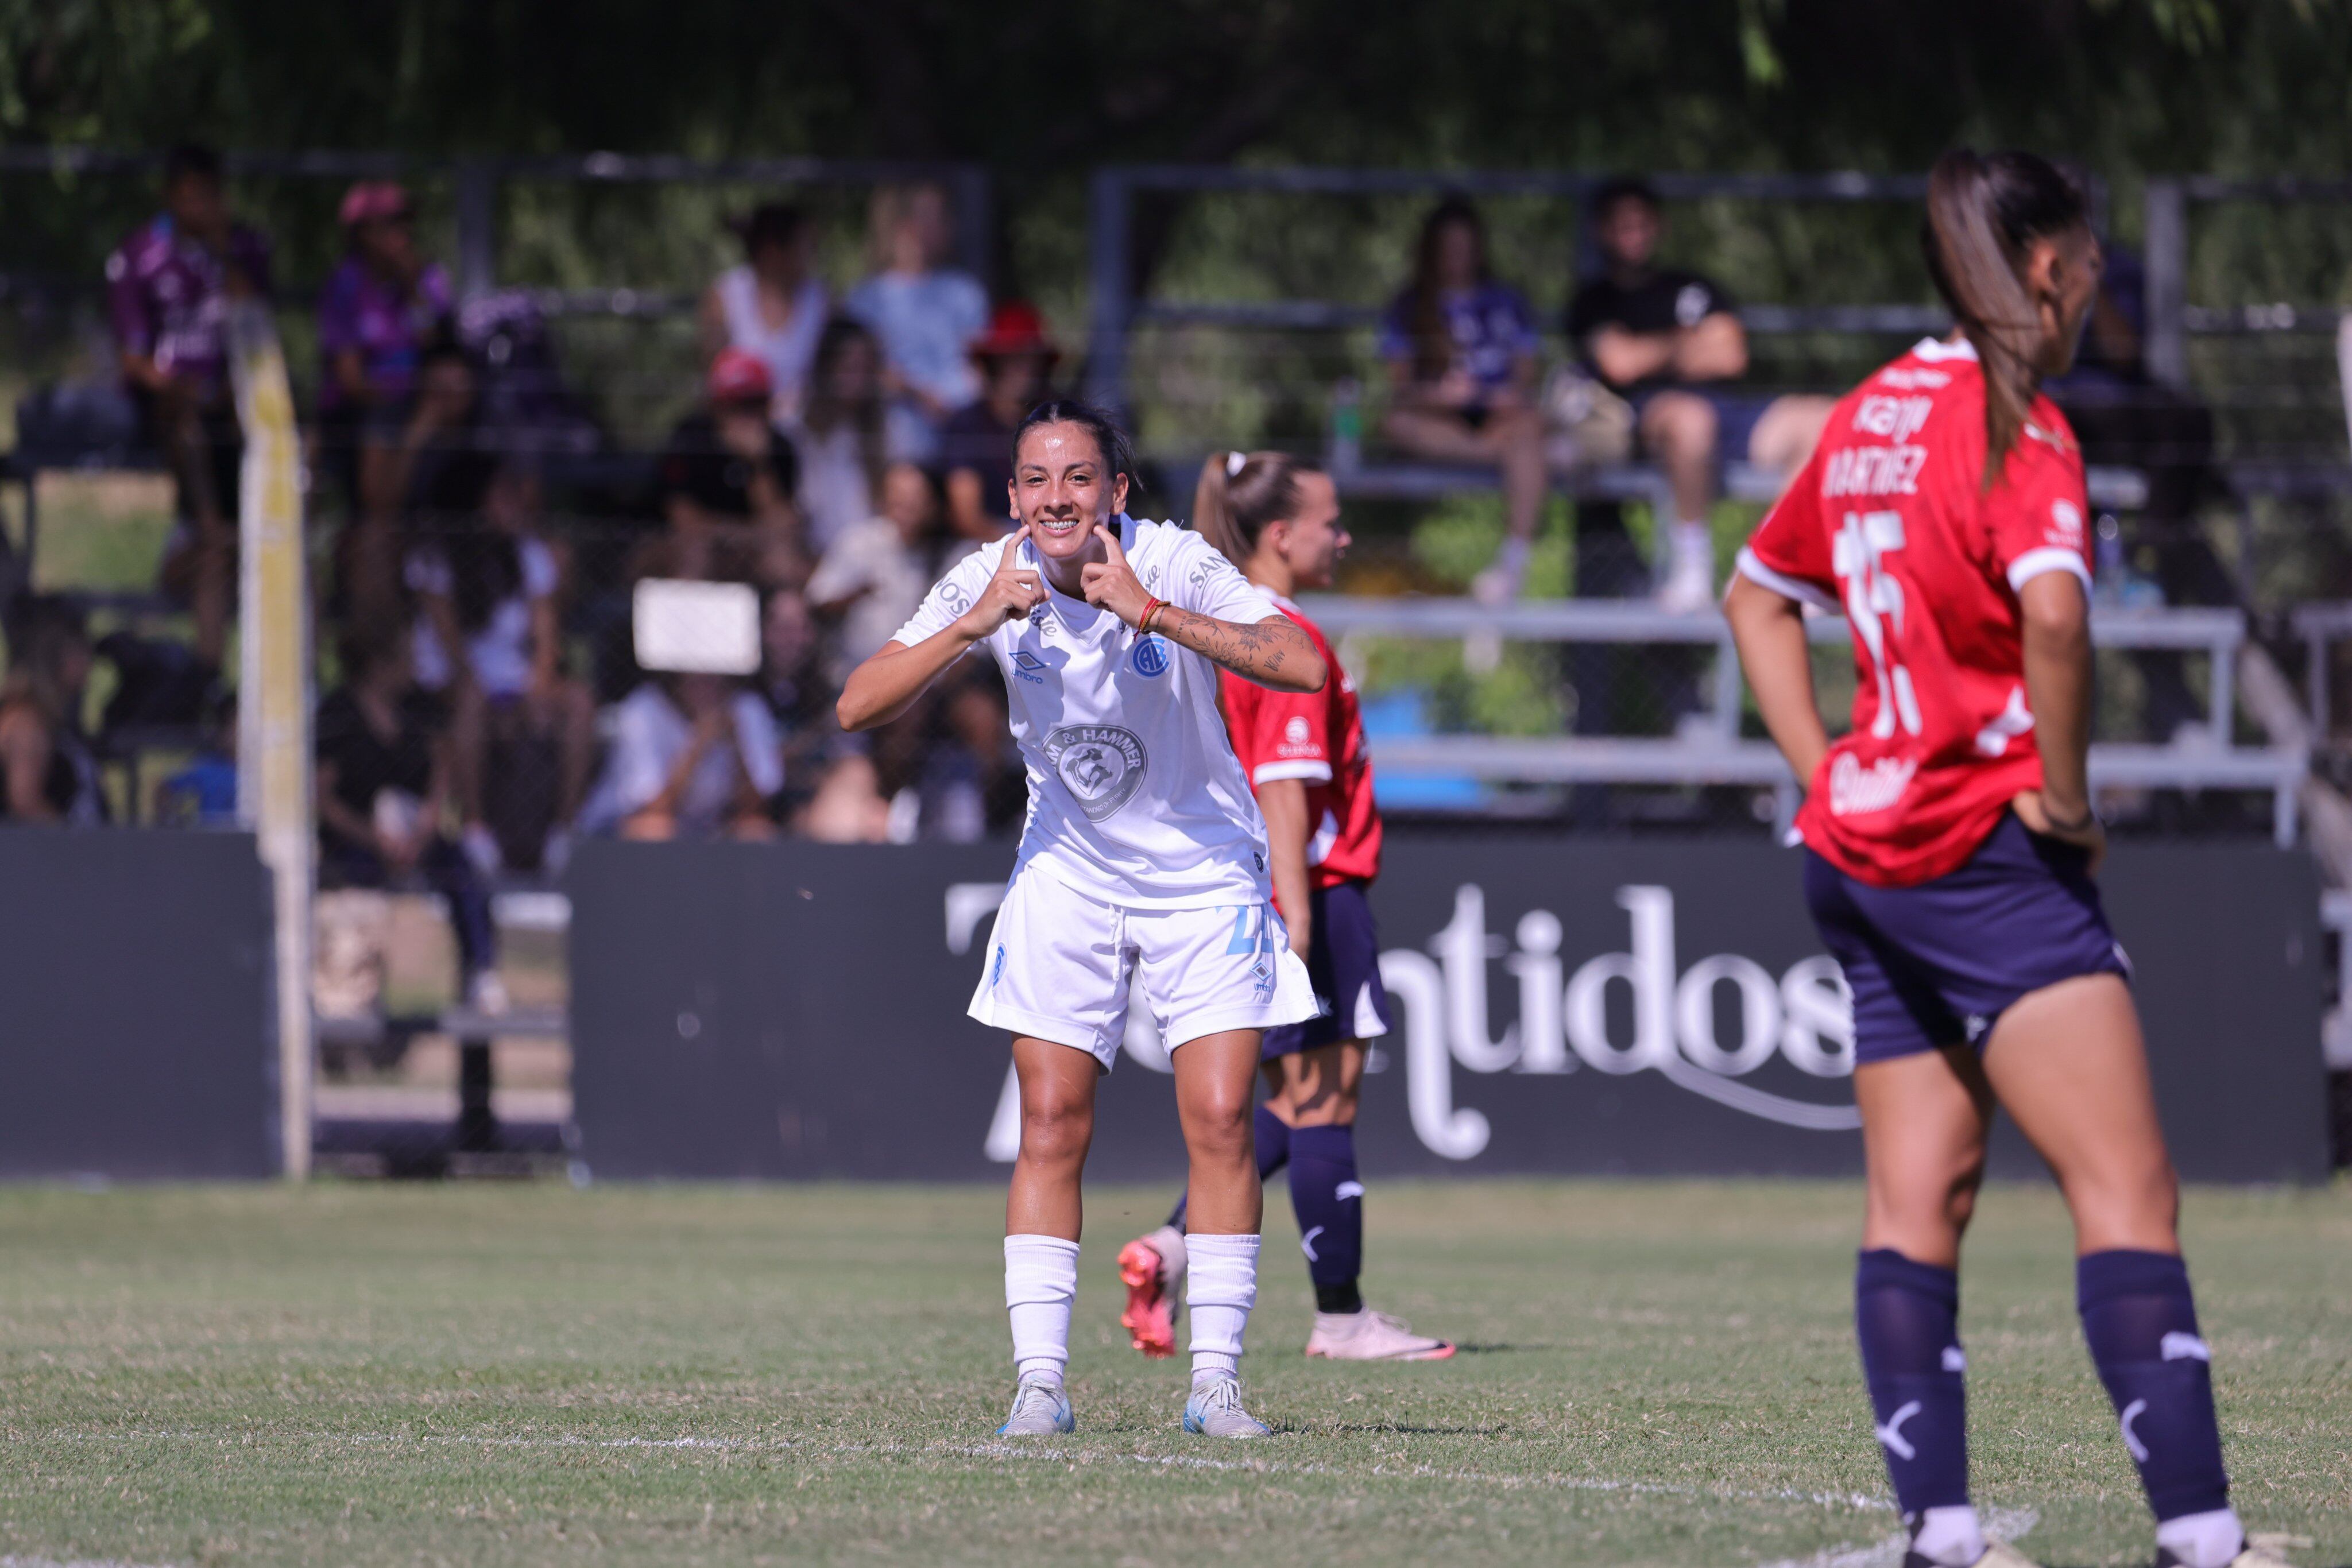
(1712, 750)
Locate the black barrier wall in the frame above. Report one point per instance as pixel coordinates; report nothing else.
(136, 968)
(797, 1010)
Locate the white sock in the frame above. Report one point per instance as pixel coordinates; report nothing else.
(1949, 1536)
(1220, 1289)
(2203, 1540)
(1041, 1279)
(1694, 542)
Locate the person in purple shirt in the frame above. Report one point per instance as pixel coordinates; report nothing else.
(168, 290)
(1461, 350)
(380, 306)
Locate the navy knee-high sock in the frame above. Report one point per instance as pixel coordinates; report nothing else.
(1906, 1315)
(2141, 1323)
(1329, 1203)
(1273, 1153)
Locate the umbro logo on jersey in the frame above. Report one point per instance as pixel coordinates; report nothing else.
(1025, 666)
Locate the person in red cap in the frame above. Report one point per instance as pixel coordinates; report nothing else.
(727, 479)
(1015, 358)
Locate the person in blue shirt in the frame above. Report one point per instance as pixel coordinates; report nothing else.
(1461, 352)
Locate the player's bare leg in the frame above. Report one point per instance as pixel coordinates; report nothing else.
(1043, 1214)
(1215, 1089)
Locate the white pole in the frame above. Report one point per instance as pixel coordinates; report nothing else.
(274, 771)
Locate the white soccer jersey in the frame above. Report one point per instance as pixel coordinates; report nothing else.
(1135, 797)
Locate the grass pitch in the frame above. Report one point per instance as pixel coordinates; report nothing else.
(1651, 1374)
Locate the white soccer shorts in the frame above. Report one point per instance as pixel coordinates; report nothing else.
(1061, 966)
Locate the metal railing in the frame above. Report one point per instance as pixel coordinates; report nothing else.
(1711, 750)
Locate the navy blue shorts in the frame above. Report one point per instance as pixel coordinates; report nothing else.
(1343, 959)
(1935, 965)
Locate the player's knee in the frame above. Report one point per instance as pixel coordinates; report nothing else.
(1055, 1128)
(1217, 1126)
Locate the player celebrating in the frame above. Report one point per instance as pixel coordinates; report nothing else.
(1949, 849)
(1144, 863)
(1277, 519)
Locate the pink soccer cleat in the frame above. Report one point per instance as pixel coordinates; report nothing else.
(1152, 1268)
(1369, 1335)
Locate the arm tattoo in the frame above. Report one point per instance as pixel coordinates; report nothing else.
(1257, 653)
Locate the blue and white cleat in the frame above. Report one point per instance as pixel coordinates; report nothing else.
(1214, 1410)
(1040, 1409)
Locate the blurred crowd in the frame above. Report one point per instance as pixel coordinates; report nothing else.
(481, 703)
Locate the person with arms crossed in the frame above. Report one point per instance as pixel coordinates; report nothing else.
(1278, 518)
(1950, 849)
(1143, 865)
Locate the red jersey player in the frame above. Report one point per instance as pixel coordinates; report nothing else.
(1949, 846)
(1276, 518)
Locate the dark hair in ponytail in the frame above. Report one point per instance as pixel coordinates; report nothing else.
(1985, 210)
(1240, 493)
(1117, 451)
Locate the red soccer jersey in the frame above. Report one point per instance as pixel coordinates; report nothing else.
(1889, 525)
(1316, 737)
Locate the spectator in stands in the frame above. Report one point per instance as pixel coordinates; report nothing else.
(793, 685)
(1671, 343)
(432, 478)
(201, 792)
(728, 478)
(488, 638)
(381, 306)
(1461, 351)
(692, 756)
(169, 286)
(2126, 418)
(383, 792)
(1015, 360)
(923, 313)
(774, 306)
(848, 807)
(47, 772)
(873, 575)
(839, 435)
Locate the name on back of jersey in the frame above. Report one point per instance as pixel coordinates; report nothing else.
(1889, 470)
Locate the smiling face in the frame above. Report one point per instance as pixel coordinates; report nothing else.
(1061, 489)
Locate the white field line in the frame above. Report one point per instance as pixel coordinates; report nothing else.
(2009, 1523)
(1859, 1501)
(6, 1562)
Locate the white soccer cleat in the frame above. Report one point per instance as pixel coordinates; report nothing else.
(1369, 1335)
(1214, 1410)
(1040, 1409)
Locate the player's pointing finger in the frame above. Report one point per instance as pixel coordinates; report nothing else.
(1012, 547)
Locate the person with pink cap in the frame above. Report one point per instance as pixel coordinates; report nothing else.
(727, 479)
(380, 306)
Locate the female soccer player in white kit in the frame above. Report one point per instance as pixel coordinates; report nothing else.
(1143, 862)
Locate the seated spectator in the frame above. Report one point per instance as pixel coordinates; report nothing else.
(381, 306)
(489, 637)
(47, 772)
(839, 435)
(793, 683)
(1671, 343)
(847, 806)
(727, 481)
(383, 791)
(201, 793)
(873, 575)
(923, 313)
(773, 307)
(2126, 418)
(1461, 351)
(975, 455)
(692, 756)
(169, 286)
(434, 477)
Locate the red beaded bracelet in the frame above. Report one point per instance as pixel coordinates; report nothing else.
(1151, 607)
